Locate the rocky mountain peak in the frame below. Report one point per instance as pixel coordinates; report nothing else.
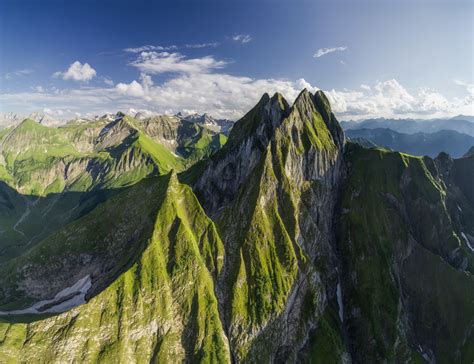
(251, 136)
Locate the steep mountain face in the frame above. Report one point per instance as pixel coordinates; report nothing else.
(407, 271)
(289, 244)
(272, 192)
(430, 144)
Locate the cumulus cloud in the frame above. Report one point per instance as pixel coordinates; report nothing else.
(242, 38)
(392, 100)
(221, 95)
(201, 85)
(163, 62)
(133, 89)
(323, 51)
(77, 72)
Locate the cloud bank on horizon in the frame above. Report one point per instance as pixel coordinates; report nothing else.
(201, 85)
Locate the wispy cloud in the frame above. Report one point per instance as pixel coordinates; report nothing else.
(108, 81)
(469, 86)
(22, 72)
(159, 48)
(323, 51)
(77, 72)
(149, 48)
(242, 38)
(203, 45)
(164, 62)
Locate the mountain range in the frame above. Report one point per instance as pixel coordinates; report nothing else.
(159, 239)
(463, 124)
(430, 144)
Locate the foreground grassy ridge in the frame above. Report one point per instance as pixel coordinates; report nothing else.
(83, 246)
(383, 248)
(162, 308)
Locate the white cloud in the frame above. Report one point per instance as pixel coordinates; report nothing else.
(77, 72)
(200, 85)
(56, 113)
(242, 38)
(163, 62)
(219, 94)
(108, 81)
(158, 48)
(149, 48)
(323, 51)
(21, 72)
(391, 100)
(469, 86)
(203, 45)
(38, 88)
(133, 89)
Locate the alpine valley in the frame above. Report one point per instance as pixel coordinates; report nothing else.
(166, 239)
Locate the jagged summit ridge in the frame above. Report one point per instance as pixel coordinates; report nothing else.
(251, 135)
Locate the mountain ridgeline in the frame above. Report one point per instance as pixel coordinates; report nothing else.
(284, 244)
(430, 144)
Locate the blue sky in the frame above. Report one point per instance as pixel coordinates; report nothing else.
(373, 58)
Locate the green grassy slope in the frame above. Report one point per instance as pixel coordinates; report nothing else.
(396, 243)
(39, 160)
(61, 173)
(162, 308)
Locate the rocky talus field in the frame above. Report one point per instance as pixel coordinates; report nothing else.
(162, 240)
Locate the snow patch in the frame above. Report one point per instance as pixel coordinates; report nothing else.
(467, 241)
(459, 208)
(339, 302)
(66, 299)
